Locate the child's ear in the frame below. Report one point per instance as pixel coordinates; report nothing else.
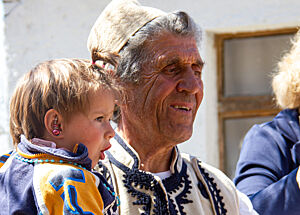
(53, 121)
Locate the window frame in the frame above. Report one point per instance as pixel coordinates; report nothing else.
(234, 107)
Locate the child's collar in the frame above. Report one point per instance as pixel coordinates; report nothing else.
(43, 143)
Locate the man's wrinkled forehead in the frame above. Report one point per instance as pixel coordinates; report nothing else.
(165, 60)
(169, 49)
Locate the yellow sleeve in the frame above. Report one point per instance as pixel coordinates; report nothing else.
(63, 189)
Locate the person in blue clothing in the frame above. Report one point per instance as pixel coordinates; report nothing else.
(268, 167)
(60, 125)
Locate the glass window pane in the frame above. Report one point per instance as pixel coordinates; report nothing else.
(249, 62)
(235, 130)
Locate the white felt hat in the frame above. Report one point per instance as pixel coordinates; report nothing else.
(117, 23)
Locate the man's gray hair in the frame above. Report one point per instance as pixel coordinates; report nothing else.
(134, 53)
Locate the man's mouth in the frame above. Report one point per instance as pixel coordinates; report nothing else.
(182, 107)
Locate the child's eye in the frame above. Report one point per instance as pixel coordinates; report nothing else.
(100, 118)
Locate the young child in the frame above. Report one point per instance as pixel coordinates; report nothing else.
(60, 124)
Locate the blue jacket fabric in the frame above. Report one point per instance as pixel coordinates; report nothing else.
(268, 165)
(55, 186)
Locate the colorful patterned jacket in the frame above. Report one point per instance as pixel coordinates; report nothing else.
(193, 187)
(44, 180)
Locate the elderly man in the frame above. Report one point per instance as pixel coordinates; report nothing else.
(161, 69)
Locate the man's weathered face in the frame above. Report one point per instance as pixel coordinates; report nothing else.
(171, 89)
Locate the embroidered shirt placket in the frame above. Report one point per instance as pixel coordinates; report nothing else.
(163, 188)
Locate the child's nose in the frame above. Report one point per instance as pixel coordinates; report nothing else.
(110, 132)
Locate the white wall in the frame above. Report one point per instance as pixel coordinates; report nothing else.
(38, 30)
(41, 29)
(4, 139)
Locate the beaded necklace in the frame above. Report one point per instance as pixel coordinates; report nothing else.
(36, 161)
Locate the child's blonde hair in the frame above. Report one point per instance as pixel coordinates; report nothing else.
(63, 85)
(286, 81)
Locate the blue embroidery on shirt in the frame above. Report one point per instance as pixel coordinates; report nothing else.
(135, 179)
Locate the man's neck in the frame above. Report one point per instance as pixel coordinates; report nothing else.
(155, 161)
(153, 157)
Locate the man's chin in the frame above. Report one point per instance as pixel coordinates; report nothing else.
(180, 136)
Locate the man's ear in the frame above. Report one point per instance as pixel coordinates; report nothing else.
(53, 121)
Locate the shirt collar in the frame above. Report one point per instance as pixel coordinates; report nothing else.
(126, 155)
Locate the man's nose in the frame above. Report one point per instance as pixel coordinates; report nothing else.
(190, 82)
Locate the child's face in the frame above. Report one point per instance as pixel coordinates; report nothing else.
(92, 128)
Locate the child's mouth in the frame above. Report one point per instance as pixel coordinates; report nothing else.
(102, 155)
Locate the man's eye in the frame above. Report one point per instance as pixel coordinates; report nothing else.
(198, 73)
(171, 69)
(197, 70)
(100, 118)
